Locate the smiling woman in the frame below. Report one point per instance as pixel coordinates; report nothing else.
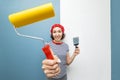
(61, 50)
(57, 33)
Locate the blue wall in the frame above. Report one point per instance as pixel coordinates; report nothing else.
(20, 58)
(115, 39)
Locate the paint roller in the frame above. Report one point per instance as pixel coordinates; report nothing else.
(30, 16)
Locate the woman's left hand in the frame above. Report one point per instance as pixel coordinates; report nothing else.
(77, 51)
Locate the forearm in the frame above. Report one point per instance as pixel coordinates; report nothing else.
(70, 60)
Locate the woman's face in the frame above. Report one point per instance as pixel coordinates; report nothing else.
(57, 34)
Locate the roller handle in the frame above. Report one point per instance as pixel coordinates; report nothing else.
(48, 52)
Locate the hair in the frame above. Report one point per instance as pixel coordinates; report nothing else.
(57, 25)
(63, 36)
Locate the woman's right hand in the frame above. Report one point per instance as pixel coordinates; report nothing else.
(51, 67)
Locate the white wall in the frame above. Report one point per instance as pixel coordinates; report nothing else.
(90, 20)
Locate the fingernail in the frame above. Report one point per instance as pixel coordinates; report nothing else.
(43, 67)
(59, 61)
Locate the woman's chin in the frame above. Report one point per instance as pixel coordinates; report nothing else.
(57, 40)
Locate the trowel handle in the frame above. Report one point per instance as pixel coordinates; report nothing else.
(48, 51)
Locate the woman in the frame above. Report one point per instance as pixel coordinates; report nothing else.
(53, 69)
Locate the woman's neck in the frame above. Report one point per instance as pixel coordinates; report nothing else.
(57, 42)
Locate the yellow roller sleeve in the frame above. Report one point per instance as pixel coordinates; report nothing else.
(32, 15)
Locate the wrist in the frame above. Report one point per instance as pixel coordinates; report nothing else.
(74, 54)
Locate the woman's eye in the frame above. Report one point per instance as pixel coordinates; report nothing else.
(59, 31)
(54, 31)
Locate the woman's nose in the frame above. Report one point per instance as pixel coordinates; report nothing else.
(57, 33)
